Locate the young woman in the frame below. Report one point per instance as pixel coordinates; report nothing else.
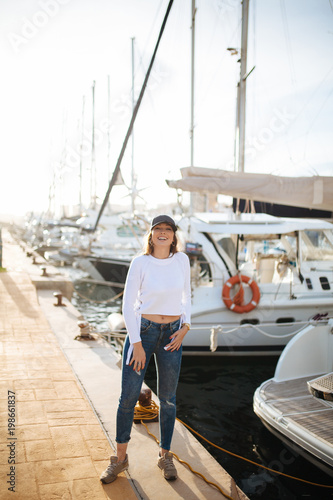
(156, 309)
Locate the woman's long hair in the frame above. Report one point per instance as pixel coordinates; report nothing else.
(149, 247)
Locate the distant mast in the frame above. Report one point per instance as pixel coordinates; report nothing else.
(133, 179)
(192, 82)
(192, 97)
(93, 183)
(81, 158)
(109, 173)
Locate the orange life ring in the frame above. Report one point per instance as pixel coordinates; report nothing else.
(231, 304)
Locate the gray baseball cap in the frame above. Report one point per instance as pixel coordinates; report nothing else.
(163, 218)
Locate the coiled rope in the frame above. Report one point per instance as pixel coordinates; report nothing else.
(151, 412)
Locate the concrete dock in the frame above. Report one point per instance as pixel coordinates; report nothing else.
(58, 403)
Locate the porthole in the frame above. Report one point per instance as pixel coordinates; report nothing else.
(309, 283)
(250, 322)
(324, 283)
(285, 320)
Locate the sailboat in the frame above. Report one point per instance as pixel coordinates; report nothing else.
(257, 280)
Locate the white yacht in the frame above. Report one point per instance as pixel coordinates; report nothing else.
(286, 271)
(288, 264)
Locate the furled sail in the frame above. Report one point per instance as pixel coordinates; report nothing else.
(314, 192)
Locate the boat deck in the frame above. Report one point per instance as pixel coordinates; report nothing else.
(292, 400)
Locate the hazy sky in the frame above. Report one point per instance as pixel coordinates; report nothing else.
(53, 50)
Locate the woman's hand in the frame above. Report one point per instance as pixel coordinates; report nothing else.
(138, 357)
(177, 339)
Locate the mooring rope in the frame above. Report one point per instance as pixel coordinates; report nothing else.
(99, 301)
(151, 412)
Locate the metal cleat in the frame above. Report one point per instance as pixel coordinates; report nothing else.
(43, 269)
(84, 331)
(58, 296)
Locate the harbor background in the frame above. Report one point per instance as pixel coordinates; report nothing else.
(56, 57)
(56, 50)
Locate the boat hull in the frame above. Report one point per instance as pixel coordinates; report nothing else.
(287, 407)
(299, 450)
(111, 269)
(304, 430)
(264, 331)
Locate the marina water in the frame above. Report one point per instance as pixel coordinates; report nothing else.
(215, 397)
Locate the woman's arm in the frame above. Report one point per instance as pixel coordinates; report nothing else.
(187, 292)
(178, 337)
(132, 287)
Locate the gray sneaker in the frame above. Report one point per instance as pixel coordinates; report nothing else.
(166, 465)
(113, 469)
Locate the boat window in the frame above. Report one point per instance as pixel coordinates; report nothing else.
(253, 248)
(309, 283)
(200, 269)
(266, 257)
(324, 283)
(129, 231)
(316, 246)
(228, 246)
(285, 320)
(259, 255)
(249, 321)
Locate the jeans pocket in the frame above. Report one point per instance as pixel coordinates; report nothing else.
(145, 325)
(175, 326)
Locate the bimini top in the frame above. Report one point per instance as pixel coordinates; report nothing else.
(314, 192)
(254, 224)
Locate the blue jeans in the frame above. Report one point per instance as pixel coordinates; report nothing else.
(154, 337)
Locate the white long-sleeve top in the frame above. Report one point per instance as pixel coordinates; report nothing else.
(156, 286)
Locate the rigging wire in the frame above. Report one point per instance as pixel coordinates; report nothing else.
(288, 42)
(203, 71)
(290, 60)
(143, 53)
(206, 92)
(148, 38)
(252, 113)
(319, 111)
(298, 116)
(293, 80)
(135, 112)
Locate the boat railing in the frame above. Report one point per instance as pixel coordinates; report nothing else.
(225, 329)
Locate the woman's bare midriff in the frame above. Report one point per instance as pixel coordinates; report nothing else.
(159, 318)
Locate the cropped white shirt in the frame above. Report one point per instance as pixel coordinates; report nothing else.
(156, 286)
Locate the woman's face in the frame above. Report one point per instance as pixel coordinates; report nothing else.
(162, 235)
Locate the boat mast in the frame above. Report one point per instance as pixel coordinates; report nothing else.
(192, 96)
(109, 139)
(135, 112)
(81, 146)
(192, 81)
(93, 165)
(241, 92)
(133, 180)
